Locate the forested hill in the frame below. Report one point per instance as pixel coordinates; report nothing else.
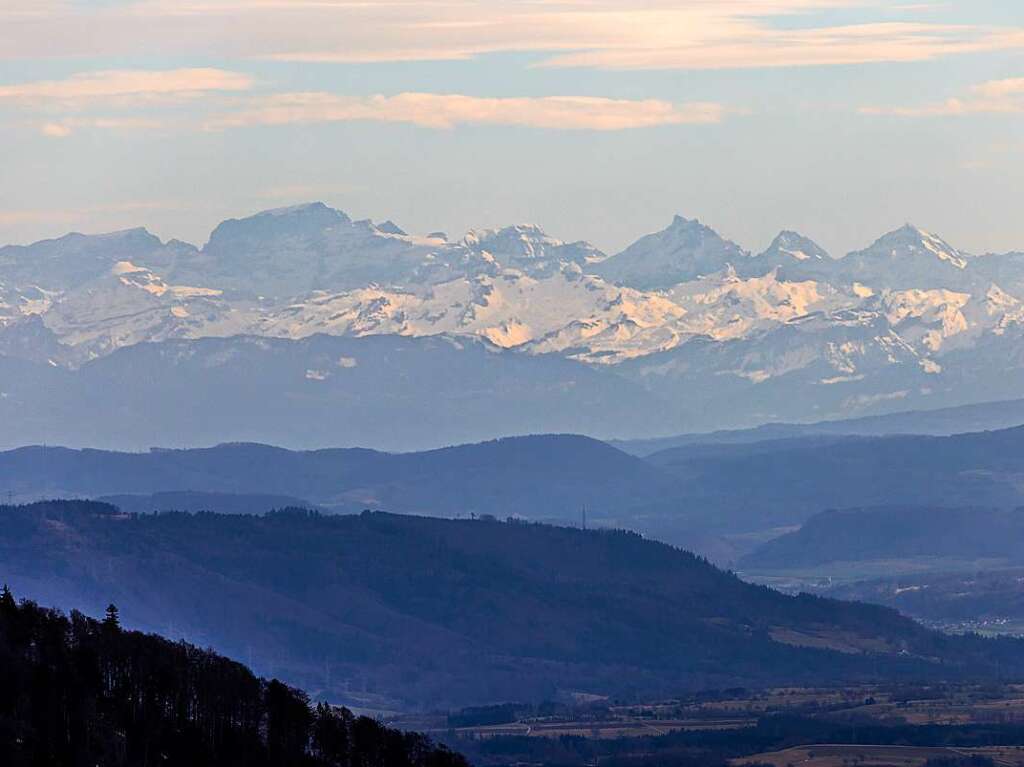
(76, 691)
(389, 610)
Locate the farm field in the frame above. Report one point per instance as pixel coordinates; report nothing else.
(858, 755)
(969, 725)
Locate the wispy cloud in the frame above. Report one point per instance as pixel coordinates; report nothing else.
(443, 111)
(64, 127)
(120, 84)
(992, 97)
(758, 47)
(611, 34)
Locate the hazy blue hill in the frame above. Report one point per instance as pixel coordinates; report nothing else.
(749, 485)
(545, 476)
(989, 600)
(940, 422)
(689, 495)
(379, 609)
(853, 535)
(384, 391)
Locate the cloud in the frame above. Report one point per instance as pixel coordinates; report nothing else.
(610, 34)
(760, 48)
(122, 84)
(992, 97)
(443, 111)
(55, 130)
(66, 126)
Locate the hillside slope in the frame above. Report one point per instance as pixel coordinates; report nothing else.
(397, 610)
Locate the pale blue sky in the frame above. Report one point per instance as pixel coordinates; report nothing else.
(597, 119)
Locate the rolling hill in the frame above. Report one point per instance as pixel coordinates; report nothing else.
(539, 477)
(385, 610)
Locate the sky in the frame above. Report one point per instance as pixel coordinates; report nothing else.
(596, 119)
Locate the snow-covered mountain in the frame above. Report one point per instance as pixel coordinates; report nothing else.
(683, 251)
(683, 314)
(793, 257)
(907, 258)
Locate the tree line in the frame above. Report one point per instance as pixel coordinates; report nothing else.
(78, 691)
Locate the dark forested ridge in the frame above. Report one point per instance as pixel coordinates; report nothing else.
(191, 500)
(390, 610)
(77, 691)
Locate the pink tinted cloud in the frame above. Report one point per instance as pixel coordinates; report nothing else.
(443, 111)
(126, 84)
(993, 97)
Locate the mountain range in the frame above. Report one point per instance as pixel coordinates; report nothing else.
(683, 330)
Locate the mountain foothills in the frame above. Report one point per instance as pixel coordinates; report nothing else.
(343, 318)
(692, 495)
(390, 611)
(540, 477)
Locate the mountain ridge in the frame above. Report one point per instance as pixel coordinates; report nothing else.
(910, 322)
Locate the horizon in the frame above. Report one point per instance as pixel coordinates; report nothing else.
(821, 116)
(752, 251)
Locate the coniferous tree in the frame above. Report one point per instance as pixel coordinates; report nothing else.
(7, 599)
(76, 691)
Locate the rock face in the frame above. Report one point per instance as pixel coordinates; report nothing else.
(685, 315)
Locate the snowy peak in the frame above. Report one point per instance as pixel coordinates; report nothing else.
(792, 245)
(68, 261)
(521, 244)
(390, 227)
(522, 240)
(296, 221)
(911, 241)
(906, 258)
(792, 257)
(685, 250)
